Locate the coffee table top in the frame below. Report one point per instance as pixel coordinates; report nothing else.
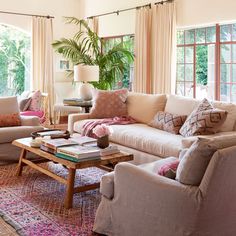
(24, 143)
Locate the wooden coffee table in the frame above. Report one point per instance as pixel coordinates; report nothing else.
(107, 163)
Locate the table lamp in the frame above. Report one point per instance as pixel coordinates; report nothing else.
(84, 74)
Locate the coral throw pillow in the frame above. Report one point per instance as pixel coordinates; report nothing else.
(8, 120)
(169, 170)
(168, 122)
(36, 98)
(203, 120)
(109, 104)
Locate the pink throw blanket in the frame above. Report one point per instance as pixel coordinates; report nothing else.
(88, 127)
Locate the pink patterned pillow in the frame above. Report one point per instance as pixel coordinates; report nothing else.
(35, 104)
(169, 170)
(108, 104)
(8, 120)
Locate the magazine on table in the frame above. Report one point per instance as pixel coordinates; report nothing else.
(83, 140)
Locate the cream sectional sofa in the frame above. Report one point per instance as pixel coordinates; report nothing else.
(149, 144)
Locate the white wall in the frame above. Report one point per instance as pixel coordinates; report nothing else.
(56, 8)
(189, 13)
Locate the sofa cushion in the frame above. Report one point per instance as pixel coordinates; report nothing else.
(203, 120)
(143, 107)
(9, 105)
(168, 122)
(108, 104)
(24, 104)
(195, 161)
(143, 138)
(36, 99)
(180, 105)
(229, 124)
(9, 134)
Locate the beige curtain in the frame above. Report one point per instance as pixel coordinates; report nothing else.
(142, 74)
(42, 59)
(164, 43)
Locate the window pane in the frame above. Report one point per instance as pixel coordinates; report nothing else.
(234, 73)
(225, 51)
(225, 92)
(234, 32)
(233, 96)
(201, 64)
(233, 52)
(225, 33)
(189, 36)
(180, 89)
(180, 37)
(180, 72)
(189, 72)
(189, 54)
(180, 55)
(211, 34)
(225, 73)
(189, 90)
(200, 35)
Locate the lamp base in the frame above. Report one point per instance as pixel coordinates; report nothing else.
(85, 91)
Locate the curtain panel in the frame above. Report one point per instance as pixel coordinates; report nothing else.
(42, 59)
(155, 46)
(142, 72)
(164, 47)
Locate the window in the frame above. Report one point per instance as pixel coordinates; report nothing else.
(206, 62)
(128, 43)
(14, 61)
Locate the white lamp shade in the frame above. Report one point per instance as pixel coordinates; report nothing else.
(85, 73)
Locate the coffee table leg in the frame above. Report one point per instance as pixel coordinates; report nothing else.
(70, 188)
(20, 164)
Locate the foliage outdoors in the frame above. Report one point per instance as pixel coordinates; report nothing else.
(14, 55)
(86, 48)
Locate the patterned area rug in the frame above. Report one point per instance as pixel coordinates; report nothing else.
(33, 203)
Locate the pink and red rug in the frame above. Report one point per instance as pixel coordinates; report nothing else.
(33, 203)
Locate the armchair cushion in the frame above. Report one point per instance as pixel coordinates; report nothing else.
(30, 121)
(8, 134)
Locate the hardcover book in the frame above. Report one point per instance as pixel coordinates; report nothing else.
(74, 159)
(56, 143)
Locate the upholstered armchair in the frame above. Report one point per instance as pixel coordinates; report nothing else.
(138, 201)
(13, 126)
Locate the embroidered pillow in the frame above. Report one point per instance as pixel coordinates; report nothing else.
(169, 169)
(168, 122)
(203, 120)
(7, 120)
(24, 104)
(108, 104)
(35, 104)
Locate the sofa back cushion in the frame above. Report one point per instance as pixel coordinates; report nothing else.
(108, 104)
(143, 107)
(184, 106)
(9, 112)
(195, 160)
(180, 105)
(229, 124)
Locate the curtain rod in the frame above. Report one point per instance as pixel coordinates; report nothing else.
(24, 14)
(128, 9)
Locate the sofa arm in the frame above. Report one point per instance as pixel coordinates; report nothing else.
(72, 118)
(30, 121)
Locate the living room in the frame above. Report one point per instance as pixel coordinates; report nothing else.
(117, 118)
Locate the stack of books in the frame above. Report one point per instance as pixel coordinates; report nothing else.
(51, 145)
(77, 148)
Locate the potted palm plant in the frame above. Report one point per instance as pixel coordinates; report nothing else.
(86, 48)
